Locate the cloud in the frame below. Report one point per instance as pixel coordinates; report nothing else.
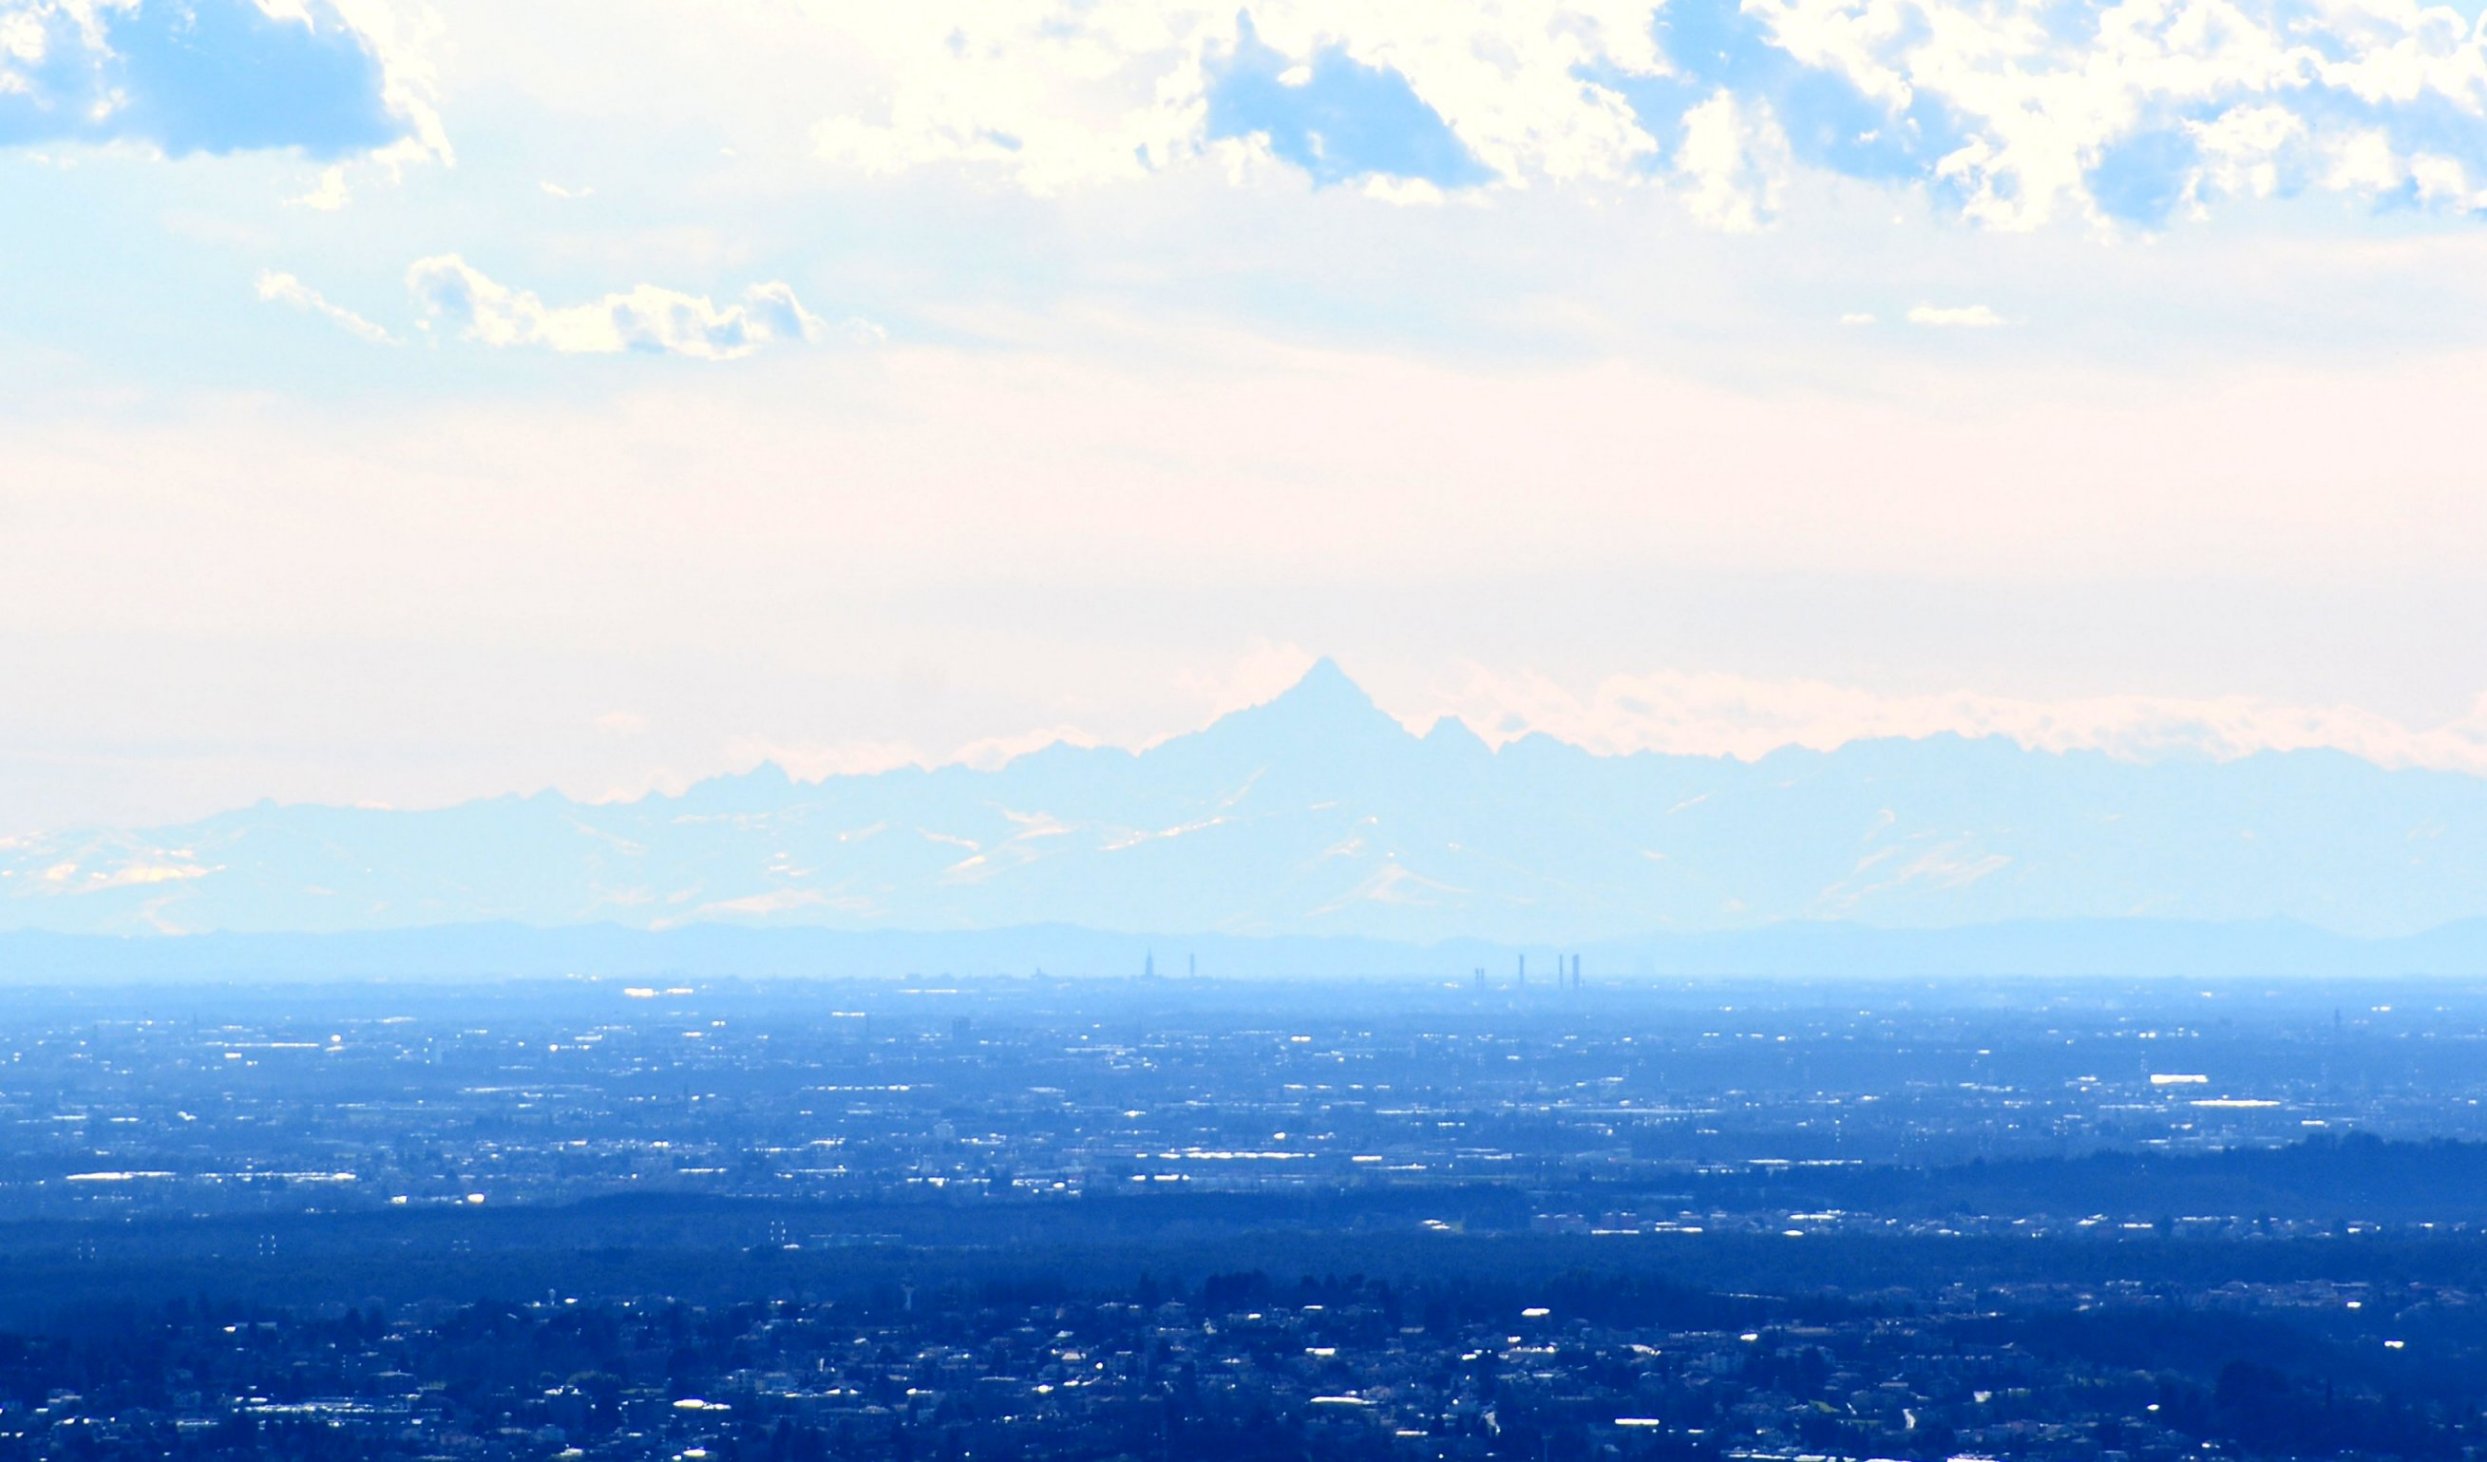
(1955, 317)
(2131, 112)
(331, 79)
(285, 289)
(1063, 95)
(329, 195)
(1098, 531)
(1733, 164)
(1714, 714)
(868, 756)
(1720, 714)
(647, 318)
(2127, 114)
(2135, 114)
(1403, 192)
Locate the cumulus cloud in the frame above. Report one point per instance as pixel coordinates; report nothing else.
(2113, 114)
(1058, 95)
(461, 298)
(1733, 165)
(2136, 111)
(329, 195)
(1719, 714)
(331, 79)
(2130, 113)
(285, 289)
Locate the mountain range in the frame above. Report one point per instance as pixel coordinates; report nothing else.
(1317, 815)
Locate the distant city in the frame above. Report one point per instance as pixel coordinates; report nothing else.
(1171, 1217)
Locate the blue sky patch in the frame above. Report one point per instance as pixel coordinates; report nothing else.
(2140, 179)
(1341, 120)
(1829, 123)
(213, 76)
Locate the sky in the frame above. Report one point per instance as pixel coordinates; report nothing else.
(406, 402)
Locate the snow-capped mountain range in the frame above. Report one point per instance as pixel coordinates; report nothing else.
(1317, 814)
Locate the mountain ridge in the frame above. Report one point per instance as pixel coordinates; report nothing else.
(1316, 814)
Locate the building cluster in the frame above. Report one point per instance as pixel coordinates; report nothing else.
(921, 1222)
(551, 1094)
(1237, 1366)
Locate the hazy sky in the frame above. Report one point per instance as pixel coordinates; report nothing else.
(402, 402)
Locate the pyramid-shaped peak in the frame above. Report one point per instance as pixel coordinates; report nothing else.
(1327, 695)
(1323, 703)
(1327, 685)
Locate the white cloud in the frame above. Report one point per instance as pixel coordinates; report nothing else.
(404, 37)
(1714, 714)
(2018, 110)
(1060, 95)
(866, 756)
(2040, 109)
(934, 541)
(1507, 78)
(2015, 111)
(1050, 96)
(328, 195)
(1405, 192)
(1733, 164)
(1747, 717)
(2248, 151)
(2443, 182)
(1955, 317)
(277, 287)
(646, 318)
